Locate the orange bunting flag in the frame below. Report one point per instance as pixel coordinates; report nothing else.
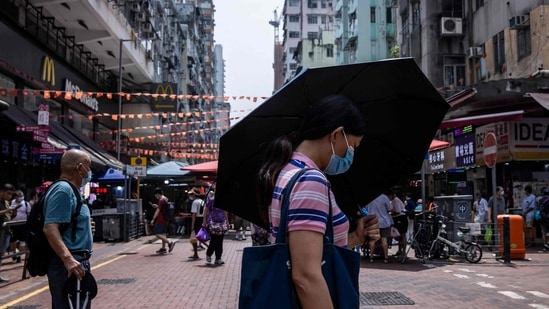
(128, 96)
(155, 95)
(46, 94)
(26, 93)
(114, 117)
(99, 94)
(58, 94)
(78, 95)
(109, 95)
(68, 95)
(140, 116)
(131, 116)
(14, 92)
(36, 92)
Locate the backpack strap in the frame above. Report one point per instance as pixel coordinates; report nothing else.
(76, 213)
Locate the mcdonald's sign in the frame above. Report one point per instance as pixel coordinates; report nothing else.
(48, 70)
(164, 96)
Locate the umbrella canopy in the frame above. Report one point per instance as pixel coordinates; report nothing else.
(167, 169)
(205, 167)
(437, 144)
(393, 95)
(112, 175)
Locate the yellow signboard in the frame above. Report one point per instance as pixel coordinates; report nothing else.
(48, 70)
(138, 161)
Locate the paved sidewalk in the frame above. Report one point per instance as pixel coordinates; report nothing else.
(131, 275)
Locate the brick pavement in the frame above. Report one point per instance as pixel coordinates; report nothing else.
(130, 275)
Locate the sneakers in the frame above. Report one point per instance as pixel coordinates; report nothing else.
(546, 247)
(208, 259)
(170, 246)
(194, 257)
(219, 262)
(4, 280)
(161, 250)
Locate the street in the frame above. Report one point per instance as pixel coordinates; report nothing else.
(131, 275)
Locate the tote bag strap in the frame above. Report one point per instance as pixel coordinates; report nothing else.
(285, 205)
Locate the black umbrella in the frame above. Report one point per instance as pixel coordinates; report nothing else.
(402, 110)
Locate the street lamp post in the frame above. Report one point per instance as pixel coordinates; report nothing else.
(118, 136)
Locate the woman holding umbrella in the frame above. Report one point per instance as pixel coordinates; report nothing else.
(330, 131)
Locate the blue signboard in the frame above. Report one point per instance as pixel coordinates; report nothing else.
(465, 150)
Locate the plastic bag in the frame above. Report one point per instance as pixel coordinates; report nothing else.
(394, 232)
(203, 235)
(488, 234)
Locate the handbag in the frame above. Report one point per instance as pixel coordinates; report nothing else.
(266, 271)
(218, 228)
(203, 235)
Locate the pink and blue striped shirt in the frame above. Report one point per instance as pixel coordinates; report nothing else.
(308, 210)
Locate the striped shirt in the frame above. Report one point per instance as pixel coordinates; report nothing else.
(308, 209)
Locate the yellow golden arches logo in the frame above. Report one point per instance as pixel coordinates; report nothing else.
(165, 91)
(48, 70)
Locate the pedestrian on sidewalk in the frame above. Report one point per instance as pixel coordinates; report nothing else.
(62, 200)
(21, 210)
(381, 207)
(240, 227)
(544, 223)
(6, 192)
(400, 220)
(528, 209)
(217, 224)
(325, 142)
(197, 218)
(160, 221)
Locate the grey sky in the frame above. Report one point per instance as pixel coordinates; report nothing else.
(242, 28)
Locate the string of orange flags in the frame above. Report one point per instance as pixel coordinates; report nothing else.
(164, 115)
(68, 95)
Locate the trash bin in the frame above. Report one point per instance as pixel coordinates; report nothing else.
(112, 226)
(516, 236)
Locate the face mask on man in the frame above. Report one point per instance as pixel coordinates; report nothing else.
(87, 179)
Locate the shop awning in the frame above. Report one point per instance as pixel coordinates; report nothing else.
(60, 136)
(481, 119)
(461, 96)
(541, 98)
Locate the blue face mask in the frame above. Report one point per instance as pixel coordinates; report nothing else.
(339, 165)
(86, 180)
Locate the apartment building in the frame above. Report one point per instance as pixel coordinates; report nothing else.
(118, 78)
(305, 20)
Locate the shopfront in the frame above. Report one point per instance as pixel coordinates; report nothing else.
(27, 70)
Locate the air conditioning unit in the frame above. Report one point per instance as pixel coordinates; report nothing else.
(451, 26)
(146, 27)
(135, 7)
(141, 17)
(475, 52)
(519, 21)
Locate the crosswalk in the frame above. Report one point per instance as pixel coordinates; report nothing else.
(534, 299)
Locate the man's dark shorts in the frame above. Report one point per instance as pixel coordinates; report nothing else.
(160, 229)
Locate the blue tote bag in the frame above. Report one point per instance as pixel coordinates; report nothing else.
(266, 274)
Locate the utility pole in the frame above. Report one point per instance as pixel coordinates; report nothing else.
(278, 51)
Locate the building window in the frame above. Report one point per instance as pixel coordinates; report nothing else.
(294, 3)
(499, 53)
(454, 76)
(479, 4)
(293, 50)
(312, 4)
(294, 18)
(312, 35)
(312, 19)
(524, 44)
(293, 66)
(372, 14)
(389, 15)
(416, 16)
(330, 51)
(323, 19)
(323, 4)
(294, 34)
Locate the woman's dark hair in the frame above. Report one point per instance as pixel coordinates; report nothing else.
(322, 118)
